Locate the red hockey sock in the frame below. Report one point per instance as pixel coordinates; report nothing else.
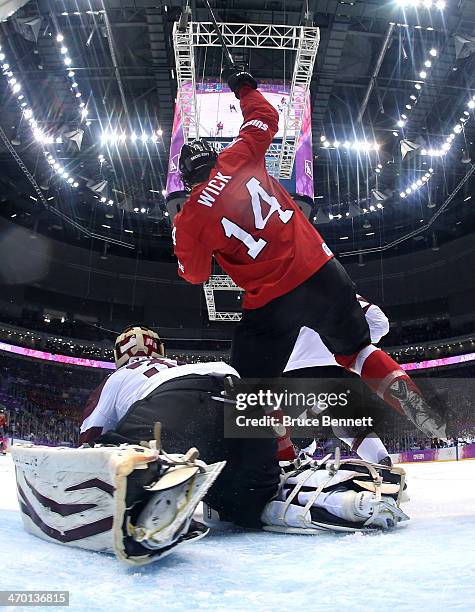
(378, 370)
(285, 448)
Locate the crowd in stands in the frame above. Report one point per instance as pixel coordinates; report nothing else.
(43, 402)
(77, 338)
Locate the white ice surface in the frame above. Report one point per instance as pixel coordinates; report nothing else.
(428, 565)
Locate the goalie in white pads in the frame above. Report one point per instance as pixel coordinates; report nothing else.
(251, 478)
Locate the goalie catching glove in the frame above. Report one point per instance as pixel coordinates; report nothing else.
(348, 495)
(131, 501)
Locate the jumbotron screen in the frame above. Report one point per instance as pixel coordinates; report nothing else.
(220, 119)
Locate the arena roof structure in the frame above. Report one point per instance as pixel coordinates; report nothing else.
(392, 97)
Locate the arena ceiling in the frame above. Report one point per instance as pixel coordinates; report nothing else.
(373, 56)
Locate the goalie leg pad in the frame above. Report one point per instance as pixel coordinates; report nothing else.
(350, 495)
(91, 497)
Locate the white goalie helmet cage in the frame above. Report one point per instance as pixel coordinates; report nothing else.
(137, 341)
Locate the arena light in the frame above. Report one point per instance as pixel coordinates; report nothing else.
(417, 184)
(113, 137)
(38, 133)
(74, 85)
(422, 74)
(362, 146)
(438, 5)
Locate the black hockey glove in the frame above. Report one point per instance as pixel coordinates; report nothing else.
(236, 78)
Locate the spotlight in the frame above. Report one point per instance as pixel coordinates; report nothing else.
(76, 184)
(323, 138)
(402, 194)
(59, 38)
(110, 202)
(401, 123)
(336, 144)
(63, 50)
(395, 133)
(103, 199)
(160, 132)
(143, 210)
(418, 86)
(413, 97)
(408, 106)
(326, 144)
(70, 180)
(71, 73)
(427, 63)
(423, 74)
(440, 5)
(457, 129)
(471, 104)
(433, 52)
(67, 61)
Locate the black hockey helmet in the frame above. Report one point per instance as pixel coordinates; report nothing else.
(196, 160)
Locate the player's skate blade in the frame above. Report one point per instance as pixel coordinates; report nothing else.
(417, 410)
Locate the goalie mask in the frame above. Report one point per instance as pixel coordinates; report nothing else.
(197, 158)
(137, 341)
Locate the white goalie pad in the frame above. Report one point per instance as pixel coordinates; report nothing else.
(97, 498)
(350, 495)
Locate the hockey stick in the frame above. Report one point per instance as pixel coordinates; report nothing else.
(228, 58)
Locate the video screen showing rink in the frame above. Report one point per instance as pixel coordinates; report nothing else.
(426, 564)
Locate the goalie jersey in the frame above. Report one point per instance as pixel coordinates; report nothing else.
(135, 381)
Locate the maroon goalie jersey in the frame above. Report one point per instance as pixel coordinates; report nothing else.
(246, 220)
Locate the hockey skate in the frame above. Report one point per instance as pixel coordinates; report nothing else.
(347, 496)
(417, 410)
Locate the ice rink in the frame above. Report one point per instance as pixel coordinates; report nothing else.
(427, 565)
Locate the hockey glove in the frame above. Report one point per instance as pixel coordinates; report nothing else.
(236, 78)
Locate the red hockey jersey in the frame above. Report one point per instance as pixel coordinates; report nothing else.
(246, 219)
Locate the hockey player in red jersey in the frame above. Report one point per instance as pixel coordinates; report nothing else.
(242, 217)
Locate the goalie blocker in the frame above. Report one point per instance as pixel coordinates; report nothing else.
(129, 500)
